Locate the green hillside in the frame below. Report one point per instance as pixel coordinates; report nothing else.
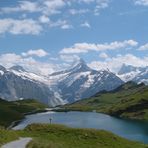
(58, 136)
(129, 100)
(12, 111)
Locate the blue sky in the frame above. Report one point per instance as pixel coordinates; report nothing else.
(55, 33)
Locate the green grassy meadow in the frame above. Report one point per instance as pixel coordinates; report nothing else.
(129, 101)
(59, 136)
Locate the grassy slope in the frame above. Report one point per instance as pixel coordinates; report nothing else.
(58, 136)
(12, 111)
(129, 100)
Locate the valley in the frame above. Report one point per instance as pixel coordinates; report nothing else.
(104, 91)
(79, 88)
(73, 74)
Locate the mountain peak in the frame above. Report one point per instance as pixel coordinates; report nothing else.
(126, 69)
(81, 61)
(2, 68)
(80, 65)
(17, 68)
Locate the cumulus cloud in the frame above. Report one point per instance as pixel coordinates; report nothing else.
(24, 26)
(115, 63)
(86, 47)
(29, 63)
(63, 24)
(44, 19)
(42, 11)
(50, 7)
(53, 6)
(143, 47)
(86, 24)
(101, 4)
(47, 7)
(30, 26)
(103, 55)
(46, 67)
(37, 52)
(9, 59)
(69, 58)
(141, 2)
(78, 12)
(66, 26)
(22, 6)
(86, 1)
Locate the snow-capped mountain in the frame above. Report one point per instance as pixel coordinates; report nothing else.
(80, 81)
(136, 74)
(16, 83)
(66, 86)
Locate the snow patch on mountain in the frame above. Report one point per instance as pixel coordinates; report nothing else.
(1, 72)
(77, 82)
(131, 73)
(128, 76)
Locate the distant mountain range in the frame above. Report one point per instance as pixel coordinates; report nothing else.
(16, 83)
(129, 100)
(62, 87)
(80, 81)
(131, 73)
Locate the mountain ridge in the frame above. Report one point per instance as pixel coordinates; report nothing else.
(129, 100)
(132, 73)
(81, 81)
(75, 83)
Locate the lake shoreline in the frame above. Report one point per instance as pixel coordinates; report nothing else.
(15, 123)
(118, 126)
(90, 110)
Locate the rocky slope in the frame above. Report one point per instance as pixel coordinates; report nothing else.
(80, 81)
(136, 74)
(62, 87)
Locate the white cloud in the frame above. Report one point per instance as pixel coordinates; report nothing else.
(24, 26)
(141, 2)
(44, 68)
(69, 58)
(86, 47)
(66, 26)
(9, 59)
(53, 6)
(115, 63)
(85, 24)
(86, 1)
(41, 11)
(80, 11)
(30, 26)
(143, 47)
(103, 55)
(37, 52)
(44, 19)
(63, 24)
(47, 7)
(101, 4)
(22, 6)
